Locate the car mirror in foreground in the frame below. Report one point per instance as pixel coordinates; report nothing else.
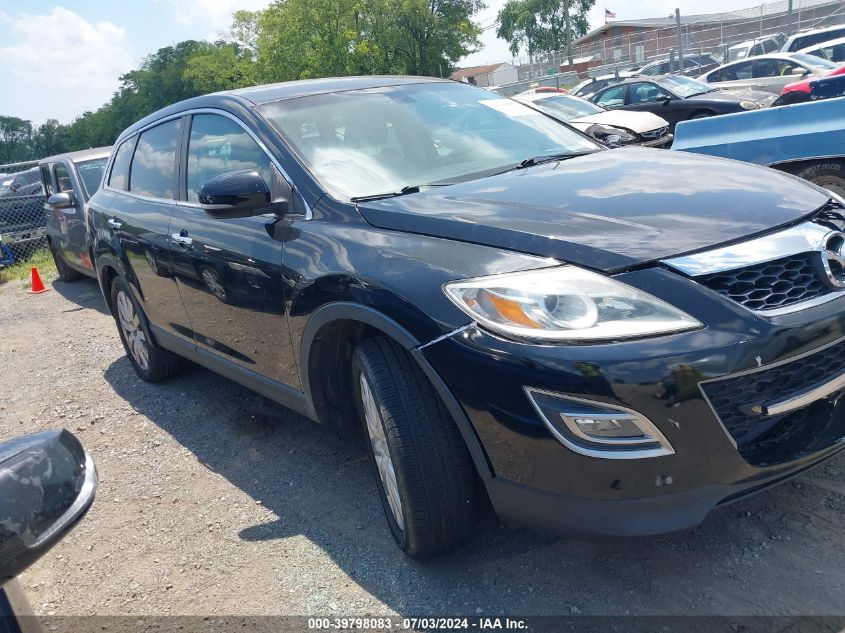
(47, 483)
(238, 194)
(63, 200)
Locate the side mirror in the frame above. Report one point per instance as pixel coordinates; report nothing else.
(237, 194)
(63, 200)
(47, 483)
(800, 72)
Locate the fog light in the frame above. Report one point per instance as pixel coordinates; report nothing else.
(611, 427)
(597, 429)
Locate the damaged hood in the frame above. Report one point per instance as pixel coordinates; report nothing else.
(607, 211)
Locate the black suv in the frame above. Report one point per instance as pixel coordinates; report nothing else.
(606, 341)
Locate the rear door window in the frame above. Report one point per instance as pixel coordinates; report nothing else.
(119, 177)
(153, 171)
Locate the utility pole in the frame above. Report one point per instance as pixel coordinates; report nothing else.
(680, 40)
(789, 18)
(567, 24)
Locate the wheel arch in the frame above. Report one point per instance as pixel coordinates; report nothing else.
(329, 339)
(793, 166)
(107, 269)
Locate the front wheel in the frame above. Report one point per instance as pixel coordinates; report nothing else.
(425, 475)
(828, 174)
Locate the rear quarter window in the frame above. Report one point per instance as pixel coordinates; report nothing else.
(119, 176)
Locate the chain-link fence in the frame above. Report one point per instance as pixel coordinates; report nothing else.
(762, 28)
(22, 217)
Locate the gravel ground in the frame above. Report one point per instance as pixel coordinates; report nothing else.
(216, 501)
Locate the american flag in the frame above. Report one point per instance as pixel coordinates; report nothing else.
(609, 14)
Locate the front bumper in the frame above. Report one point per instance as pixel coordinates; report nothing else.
(535, 479)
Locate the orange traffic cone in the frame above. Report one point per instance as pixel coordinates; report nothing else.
(37, 284)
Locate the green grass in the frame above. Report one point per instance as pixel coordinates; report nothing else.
(41, 259)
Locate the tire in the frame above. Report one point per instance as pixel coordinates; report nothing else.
(431, 501)
(829, 174)
(66, 273)
(151, 362)
(701, 115)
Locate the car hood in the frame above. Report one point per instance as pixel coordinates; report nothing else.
(608, 211)
(735, 95)
(638, 122)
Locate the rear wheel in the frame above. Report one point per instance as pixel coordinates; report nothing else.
(151, 362)
(426, 478)
(66, 273)
(829, 174)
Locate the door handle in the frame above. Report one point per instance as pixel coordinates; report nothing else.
(115, 223)
(182, 238)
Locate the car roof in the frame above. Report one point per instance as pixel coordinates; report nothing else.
(80, 156)
(782, 56)
(806, 32)
(269, 93)
(754, 41)
(825, 44)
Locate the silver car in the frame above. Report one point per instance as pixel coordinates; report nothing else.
(769, 73)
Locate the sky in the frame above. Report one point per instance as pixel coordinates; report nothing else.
(59, 59)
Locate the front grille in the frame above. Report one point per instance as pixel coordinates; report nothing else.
(766, 440)
(654, 134)
(774, 284)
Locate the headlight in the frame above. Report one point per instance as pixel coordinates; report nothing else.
(565, 303)
(748, 105)
(602, 132)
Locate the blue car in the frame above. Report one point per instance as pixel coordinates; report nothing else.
(806, 139)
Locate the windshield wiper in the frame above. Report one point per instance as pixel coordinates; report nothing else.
(395, 194)
(547, 158)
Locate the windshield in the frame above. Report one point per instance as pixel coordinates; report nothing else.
(91, 173)
(684, 86)
(366, 142)
(812, 60)
(567, 107)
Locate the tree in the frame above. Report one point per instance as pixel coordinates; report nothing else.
(545, 26)
(429, 36)
(15, 139)
(519, 26)
(226, 66)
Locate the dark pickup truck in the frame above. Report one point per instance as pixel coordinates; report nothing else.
(69, 181)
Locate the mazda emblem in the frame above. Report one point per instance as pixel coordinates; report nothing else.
(833, 257)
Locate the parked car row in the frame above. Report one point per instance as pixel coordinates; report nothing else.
(768, 64)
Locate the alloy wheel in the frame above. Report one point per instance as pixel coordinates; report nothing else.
(381, 452)
(130, 323)
(831, 183)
